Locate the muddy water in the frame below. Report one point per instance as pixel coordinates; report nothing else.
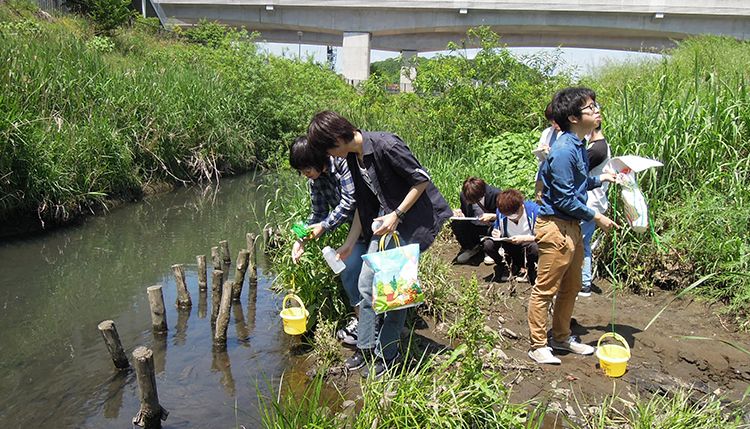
(56, 287)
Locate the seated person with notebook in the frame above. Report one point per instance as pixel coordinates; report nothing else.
(513, 232)
(472, 221)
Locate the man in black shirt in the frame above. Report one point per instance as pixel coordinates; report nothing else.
(393, 189)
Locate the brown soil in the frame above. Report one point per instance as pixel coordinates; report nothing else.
(661, 360)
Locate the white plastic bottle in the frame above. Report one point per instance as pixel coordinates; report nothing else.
(376, 224)
(336, 265)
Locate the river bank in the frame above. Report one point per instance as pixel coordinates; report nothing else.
(666, 365)
(18, 224)
(90, 117)
(56, 287)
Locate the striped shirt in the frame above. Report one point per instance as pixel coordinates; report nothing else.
(332, 196)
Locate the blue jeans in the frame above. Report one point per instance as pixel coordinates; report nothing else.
(393, 321)
(350, 275)
(587, 230)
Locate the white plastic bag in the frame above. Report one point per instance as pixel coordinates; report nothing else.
(634, 204)
(636, 209)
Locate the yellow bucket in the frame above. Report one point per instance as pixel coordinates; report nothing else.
(294, 318)
(613, 358)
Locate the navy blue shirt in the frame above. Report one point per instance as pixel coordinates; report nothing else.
(387, 158)
(565, 177)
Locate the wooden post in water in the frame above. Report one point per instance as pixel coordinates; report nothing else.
(250, 238)
(222, 320)
(252, 278)
(266, 238)
(202, 279)
(151, 413)
(158, 314)
(225, 256)
(239, 274)
(202, 304)
(183, 296)
(216, 277)
(215, 258)
(112, 339)
(239, 322)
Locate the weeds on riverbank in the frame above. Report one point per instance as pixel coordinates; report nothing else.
(445, 390)
(681, 410)
(691, 110)
(81, 124)
(311, 409)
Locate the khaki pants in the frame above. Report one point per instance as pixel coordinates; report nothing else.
(559, 273)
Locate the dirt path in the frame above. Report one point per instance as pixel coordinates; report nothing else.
(661, 360)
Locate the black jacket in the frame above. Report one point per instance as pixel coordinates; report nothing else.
(388, 158)
(490, 203)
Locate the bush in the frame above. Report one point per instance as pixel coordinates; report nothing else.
(109, 15)
(101, 44)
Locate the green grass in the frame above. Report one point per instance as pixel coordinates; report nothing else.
(79, 125)
(690, 110)
(682, 409)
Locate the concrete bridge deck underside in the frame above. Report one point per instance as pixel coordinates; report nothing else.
(420, 29)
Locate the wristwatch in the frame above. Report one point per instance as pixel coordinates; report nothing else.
(399, 213)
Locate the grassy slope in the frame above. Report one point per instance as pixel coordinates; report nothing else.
(79, 124)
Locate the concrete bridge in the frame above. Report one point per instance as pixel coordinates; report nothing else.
(425, 25)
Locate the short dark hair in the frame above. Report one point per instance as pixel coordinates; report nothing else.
(548, 112)
(302, 155)
(326, 127)
(509, 201)
(473, 189)
(568, 102)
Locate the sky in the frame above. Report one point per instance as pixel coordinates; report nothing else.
(585, 60)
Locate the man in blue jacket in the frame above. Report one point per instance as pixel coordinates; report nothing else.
(565, 178)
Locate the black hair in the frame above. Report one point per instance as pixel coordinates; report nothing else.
(548, 112)
(473, 189)
(568, 102)
(303, 155)
(326, 127)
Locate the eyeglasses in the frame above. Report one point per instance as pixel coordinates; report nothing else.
(594, 107)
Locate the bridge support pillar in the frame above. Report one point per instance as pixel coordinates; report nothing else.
(408, 70)
(356, 57)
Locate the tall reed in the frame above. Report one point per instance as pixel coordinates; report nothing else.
(690, 110)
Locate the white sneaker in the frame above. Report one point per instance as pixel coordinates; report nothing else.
(543, 355)
(488, 260)
(467, 254)
(572, 345)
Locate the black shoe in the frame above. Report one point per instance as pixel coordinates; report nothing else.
(358, 359)
(380, 366)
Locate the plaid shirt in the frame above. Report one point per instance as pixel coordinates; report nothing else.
(333, 190)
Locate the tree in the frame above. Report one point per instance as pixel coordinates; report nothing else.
(109, 14)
